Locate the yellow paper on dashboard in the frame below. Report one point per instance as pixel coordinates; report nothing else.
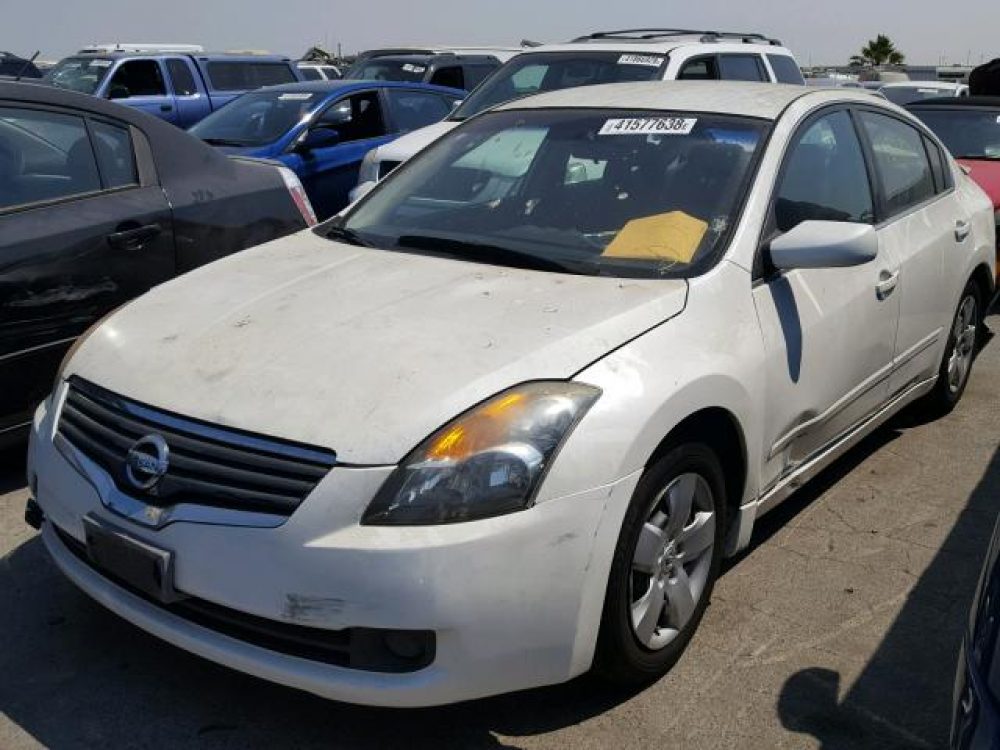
(670, 236)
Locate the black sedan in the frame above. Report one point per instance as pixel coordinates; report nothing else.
(98, 203)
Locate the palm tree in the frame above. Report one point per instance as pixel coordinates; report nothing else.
(879, 51)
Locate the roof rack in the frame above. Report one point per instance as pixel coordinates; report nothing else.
(704, 36)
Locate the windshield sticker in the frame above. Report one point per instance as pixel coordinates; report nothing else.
(295, 97)
(649, 126)
(100, 63)
(411, 68)
(652, 61)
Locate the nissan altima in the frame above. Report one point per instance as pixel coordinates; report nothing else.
(499, 423)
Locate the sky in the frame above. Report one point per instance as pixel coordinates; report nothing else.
(927, 31)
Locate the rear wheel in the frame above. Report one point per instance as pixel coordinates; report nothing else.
(665, 565)
(959, 353)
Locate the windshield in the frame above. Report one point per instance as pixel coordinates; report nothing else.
(582, 191)
(257, 118)
(968, 133)
(389, 69)
(902, 95)
(83, 74)
(532, 73)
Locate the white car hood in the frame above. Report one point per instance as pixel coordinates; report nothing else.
(407, 145)
(362, 351)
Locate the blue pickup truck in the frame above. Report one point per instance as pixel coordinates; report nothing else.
(176, 87)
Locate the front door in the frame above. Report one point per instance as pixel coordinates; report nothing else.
(79, 236)
(828, 333)
(141, 84)
(329, 173)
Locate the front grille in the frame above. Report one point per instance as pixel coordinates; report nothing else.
(208, 465)
(368, 649)
(385, 167)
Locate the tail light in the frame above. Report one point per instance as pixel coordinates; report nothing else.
(299, 196)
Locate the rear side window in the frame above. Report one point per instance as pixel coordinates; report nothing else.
(311, 74)
(181, 77)
(115, 157)
(786, 70)
(44, 156)
(901, 160)
(741, 68)
(450, 76)
(942, 179)
(245, 76)
(699, 69)
(137, 78)
(828, 148)
(415, 109)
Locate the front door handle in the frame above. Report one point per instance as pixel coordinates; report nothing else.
(886, 285)
(962, 230)
(134, 239)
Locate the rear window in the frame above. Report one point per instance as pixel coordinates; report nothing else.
(549, 71)
(235, 75)
(786, 70)
(410, 69)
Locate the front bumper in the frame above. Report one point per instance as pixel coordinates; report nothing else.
(514, 602)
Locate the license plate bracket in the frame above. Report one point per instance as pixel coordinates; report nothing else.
(137, 563)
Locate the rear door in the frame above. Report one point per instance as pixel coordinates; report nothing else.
(329, 173)
(922, 225)
(84, 227)
(142, 84)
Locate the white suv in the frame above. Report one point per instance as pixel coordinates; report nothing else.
(603, 57)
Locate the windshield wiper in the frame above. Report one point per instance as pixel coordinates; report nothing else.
(349, 236)
(225, 142)
(494, 254)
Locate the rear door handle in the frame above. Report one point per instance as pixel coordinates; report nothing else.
(962, 230)
(134, 239)
(887, 282)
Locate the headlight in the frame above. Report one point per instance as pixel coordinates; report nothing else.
(487, 462)
(368, 171)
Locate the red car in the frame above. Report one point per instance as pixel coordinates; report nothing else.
(970, 128)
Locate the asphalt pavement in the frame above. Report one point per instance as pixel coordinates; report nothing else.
(839, 628)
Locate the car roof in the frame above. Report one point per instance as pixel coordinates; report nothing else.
(233, 56)
(947, 102)
(345, 84)
(763, 100)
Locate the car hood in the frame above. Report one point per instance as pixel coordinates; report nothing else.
(987, 175)
(407, 145)
(359, 350)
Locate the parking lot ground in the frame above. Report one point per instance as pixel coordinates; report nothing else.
(839, 628)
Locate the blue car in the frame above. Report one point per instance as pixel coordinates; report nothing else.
(323, 129)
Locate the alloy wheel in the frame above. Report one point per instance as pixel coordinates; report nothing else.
(963, 350)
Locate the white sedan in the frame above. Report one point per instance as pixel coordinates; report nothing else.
(501, 422)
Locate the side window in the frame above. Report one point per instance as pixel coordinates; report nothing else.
(356, 118)
(115, 157)
(942, 177)
(901, 161)
(824, 177)
(699, 69)
(476, 74)
(137, 78)
(310, 74)
(44, 156)
(786, 70)
(741, 68)
(415, 109)
(450, 76)
(181, 77)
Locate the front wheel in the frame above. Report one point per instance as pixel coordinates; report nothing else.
(665, 565)
(959, 353)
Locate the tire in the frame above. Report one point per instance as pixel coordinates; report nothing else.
(959, 353)
(631, 650)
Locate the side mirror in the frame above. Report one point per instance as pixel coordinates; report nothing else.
(825, 244)
(118, 92)
(319, 136)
